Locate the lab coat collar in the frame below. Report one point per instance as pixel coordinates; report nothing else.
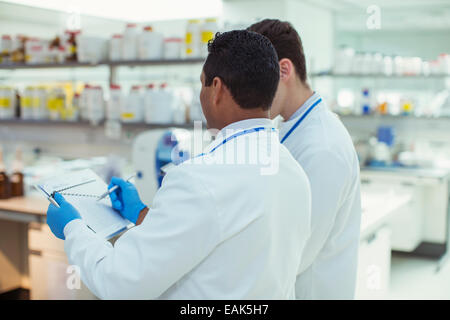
(246, 124)
(240, 126)
(305, 106)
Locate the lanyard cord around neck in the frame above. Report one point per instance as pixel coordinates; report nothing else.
(240, 133)
(301, 119)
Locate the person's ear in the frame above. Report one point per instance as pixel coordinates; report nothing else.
(217, 90)
(286, 69)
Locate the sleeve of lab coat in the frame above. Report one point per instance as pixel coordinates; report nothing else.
(179, 231)
(328, 176)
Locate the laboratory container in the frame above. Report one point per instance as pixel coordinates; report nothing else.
(151, 44)
(115, 102)
(115, 47)
(130, 42)
(193, 39)
(26, 103)
(207, 32)
(172, 48)
(132, 110)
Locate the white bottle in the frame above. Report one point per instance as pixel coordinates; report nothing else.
(115, 102)
(7, 103)
(96, 112)
(132, 110)
(40, 111)
(207, 32)
(172, 48)
(192, 39)
(115, 47)
(130, 43)
(161, 105)
(84, 101)
(150, 44)
(149, 99)
(26, 103)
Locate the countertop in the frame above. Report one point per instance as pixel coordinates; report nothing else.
(439, 173)
(29, 205)
(377, 208)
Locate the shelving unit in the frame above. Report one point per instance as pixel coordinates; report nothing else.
(129, 63)
(381, 76)
(112, 65)
(86, 124)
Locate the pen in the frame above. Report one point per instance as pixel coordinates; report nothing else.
(49, 197)
(113, 189)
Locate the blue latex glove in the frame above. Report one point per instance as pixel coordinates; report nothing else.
(125, 199)
(57, 218)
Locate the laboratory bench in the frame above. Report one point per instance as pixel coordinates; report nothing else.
(423, 228)
(30, 256)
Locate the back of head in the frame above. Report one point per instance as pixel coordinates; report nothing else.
(247, 64)
(286, 41)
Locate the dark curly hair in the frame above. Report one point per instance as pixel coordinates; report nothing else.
(247, 63)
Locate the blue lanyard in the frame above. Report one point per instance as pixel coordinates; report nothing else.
(240, 133)
(300, 120)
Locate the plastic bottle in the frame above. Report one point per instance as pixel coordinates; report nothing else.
(26, 103)
(115, 102)
(130, 44)
(132, 110)
(192, 39)
(40, 103)
(96, 110)
(150, 44)
(160, 107)
(84, 100)
(7, 103)
(115, 47)
(4, 179)
(172, 48)
(148, 102)
(207, 30)
(16, 179)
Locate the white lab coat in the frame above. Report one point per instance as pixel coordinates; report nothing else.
(324, 149)
(214, 231)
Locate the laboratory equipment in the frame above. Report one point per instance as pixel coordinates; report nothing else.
(154, 149)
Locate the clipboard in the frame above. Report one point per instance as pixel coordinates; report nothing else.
(82, 189)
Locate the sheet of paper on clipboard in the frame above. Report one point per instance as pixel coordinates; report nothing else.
(82, 189)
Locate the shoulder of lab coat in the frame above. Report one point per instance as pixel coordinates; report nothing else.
(151, 257)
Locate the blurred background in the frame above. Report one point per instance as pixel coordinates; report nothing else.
(96, 84)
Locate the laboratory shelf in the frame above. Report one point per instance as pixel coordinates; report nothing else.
(393, 117)
(102, 63)
(46, 123)
(381, 76)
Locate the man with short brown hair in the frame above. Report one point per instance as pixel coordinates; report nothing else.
(323, 147)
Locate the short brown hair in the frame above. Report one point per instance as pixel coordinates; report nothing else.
(286, 41)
